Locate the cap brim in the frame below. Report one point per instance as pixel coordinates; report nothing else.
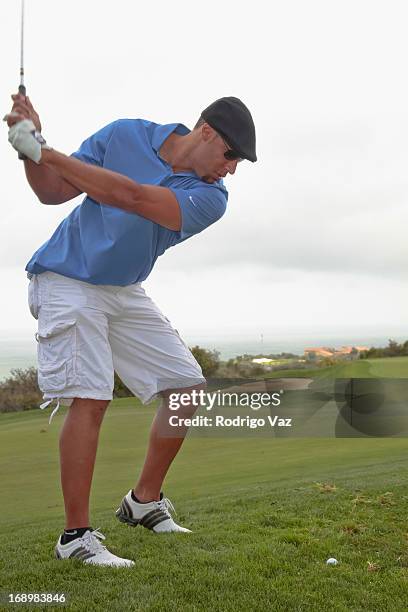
(249, 156)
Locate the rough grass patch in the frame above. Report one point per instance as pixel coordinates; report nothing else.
(386, 499)
(373, 567)
(325, 487)
(361, 499)
(352, 528)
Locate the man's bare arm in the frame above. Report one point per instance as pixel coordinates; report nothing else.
(49, 187)
(159, 204)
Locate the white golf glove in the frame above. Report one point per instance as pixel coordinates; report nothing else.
(26, 140)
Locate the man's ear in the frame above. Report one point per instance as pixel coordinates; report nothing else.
(207, 133)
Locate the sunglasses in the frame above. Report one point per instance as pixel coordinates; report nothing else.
(230, 154)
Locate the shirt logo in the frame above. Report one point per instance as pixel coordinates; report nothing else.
(192, 201)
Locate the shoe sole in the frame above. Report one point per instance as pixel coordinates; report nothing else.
(58, 556)
(126, 519)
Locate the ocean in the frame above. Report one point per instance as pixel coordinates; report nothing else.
(15, 354)
(22, 352)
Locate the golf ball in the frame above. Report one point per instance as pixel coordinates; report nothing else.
(332, 561)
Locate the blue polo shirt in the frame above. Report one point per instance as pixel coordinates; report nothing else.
(104, 245)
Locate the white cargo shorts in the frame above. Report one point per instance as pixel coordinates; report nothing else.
(86, 332)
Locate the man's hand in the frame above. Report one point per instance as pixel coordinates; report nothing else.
(23, 109)
(26, 140)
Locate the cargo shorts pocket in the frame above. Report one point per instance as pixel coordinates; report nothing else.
(58, 357)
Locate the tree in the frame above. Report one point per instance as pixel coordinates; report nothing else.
(208, 360)
(393, 348)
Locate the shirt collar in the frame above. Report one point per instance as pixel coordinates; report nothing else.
(163, 131)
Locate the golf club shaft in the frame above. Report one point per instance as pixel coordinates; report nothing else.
(21, 87)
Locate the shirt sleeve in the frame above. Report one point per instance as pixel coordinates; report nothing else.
(92, 150)
(199, 208)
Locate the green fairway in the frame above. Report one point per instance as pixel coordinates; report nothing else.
(386, 367)
(266, 514)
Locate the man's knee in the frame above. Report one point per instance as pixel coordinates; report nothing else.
(92, 407)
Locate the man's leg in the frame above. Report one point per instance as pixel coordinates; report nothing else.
(162, 447)
(148, 353)
(78, 445)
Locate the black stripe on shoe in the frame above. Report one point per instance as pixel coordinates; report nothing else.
(126, 509)
(81, 553)
(125, 515)
(85, 556)
(153, 518)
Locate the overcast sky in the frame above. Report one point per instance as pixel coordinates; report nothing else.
(314, 238)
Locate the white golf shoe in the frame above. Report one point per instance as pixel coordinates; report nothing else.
(154, 515)
(89, 549)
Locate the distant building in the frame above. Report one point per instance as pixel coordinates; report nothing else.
(318, 352)
(262, 360)
(344, 353)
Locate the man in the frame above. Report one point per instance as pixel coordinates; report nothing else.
(148, 187)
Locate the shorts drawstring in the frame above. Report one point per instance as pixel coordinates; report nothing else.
(47, 403)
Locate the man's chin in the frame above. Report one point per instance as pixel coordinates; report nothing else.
(208, 178)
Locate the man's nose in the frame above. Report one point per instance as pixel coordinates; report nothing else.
(232, 166)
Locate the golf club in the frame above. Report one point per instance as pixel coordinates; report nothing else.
(21, 87)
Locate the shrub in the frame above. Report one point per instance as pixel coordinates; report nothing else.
(208, 360)
(20, 391)
(120, 389)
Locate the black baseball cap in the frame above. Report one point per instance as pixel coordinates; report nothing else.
(232, 120)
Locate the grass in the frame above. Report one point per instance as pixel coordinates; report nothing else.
(266, 514)
(383, 367)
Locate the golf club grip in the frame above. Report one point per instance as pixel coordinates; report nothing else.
(22, 91)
